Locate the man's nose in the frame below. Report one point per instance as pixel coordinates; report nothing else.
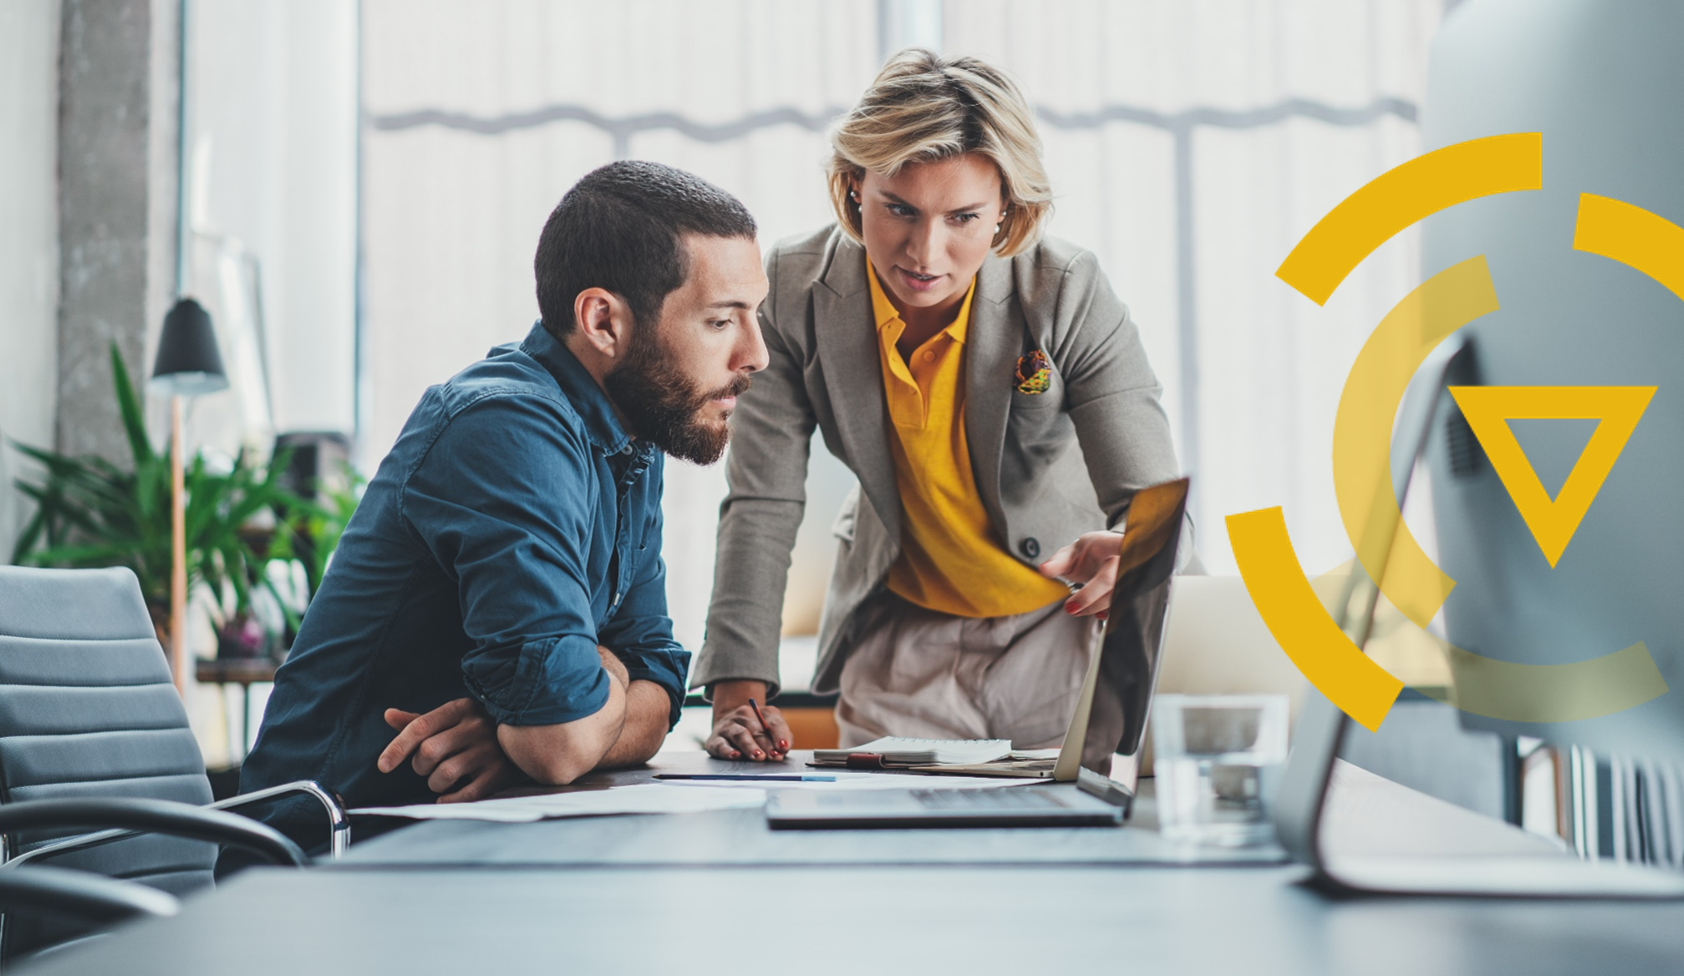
(751, 349)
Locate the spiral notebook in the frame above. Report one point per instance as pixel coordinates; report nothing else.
(898, 751)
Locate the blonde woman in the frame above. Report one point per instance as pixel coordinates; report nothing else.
(992, 396)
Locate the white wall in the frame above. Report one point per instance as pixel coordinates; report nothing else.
(28, 241)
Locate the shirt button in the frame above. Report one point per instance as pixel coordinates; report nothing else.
(1030, 547)
(929, 355)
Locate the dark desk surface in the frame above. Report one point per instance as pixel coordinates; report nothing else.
(625, 894)
(867, 920)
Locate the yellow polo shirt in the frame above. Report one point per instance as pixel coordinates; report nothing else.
(949, 560)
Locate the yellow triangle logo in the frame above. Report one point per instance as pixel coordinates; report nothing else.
(1617, 409)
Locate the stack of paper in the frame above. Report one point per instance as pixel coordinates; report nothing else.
(847, 782)
(897, 751)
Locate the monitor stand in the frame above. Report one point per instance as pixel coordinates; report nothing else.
(1302, 802)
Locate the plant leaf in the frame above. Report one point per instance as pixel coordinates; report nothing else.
(134, 424)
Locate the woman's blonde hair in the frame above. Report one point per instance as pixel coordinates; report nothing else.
(925, 107)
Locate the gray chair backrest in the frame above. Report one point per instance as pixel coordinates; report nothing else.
(87, 709)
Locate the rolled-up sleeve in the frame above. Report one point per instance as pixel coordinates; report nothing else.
(504, 501)
(640, 632)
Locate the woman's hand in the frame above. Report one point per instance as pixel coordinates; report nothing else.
(1091, 562)
(737, 733)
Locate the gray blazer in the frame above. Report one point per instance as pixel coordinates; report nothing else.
(1049, 466)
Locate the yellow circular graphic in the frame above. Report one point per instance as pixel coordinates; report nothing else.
(1386, 550)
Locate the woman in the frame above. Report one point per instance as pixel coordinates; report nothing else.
(992, 396)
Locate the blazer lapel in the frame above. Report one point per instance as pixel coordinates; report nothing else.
(848, 355)
(994, 340)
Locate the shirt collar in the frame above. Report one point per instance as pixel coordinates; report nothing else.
(602, 424)
(885, 313)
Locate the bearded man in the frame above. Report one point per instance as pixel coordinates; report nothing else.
(497, 608)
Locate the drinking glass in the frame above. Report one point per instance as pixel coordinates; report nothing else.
(1214, 757)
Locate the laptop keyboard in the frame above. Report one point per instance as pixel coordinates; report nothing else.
(1008, 798)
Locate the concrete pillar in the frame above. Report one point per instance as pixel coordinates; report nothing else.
(117, 204)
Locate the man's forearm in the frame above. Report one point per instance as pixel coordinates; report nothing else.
(648, 710)
(559, 754)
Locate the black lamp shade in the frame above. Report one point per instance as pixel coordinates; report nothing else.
(188, 362)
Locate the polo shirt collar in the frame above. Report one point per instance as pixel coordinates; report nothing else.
(602, 424)
(884, 310)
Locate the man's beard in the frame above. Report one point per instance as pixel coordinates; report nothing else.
(663, 405)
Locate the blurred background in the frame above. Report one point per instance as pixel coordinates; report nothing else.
(354, 191)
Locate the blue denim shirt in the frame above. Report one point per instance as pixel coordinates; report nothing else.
(513, 527)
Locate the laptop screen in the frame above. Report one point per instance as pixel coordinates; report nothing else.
(1134, 629)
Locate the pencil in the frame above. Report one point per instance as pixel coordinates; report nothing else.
(764, 727)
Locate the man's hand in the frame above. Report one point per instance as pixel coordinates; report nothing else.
(737, 734)
(454, 746)
(1092, 562)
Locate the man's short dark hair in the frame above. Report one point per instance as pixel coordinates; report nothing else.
(619, 229)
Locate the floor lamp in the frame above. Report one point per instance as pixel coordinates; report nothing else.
(188, 365)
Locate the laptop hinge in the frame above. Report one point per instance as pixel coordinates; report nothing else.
(1107, 789)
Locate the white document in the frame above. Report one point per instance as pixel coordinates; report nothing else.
(642, 798)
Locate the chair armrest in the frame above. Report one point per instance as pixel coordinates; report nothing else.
(81, 895)
(339, 826)
(154, 816)
(339, 833)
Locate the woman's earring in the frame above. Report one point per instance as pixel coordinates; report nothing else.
(855, 195)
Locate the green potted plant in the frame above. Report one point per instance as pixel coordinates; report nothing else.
(317, 528)
(90, 512)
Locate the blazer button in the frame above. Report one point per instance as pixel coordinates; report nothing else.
(1030, 547)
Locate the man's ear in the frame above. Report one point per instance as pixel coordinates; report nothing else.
(603, 321)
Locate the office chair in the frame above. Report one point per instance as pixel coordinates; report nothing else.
(99, 901)
(88, 711)
(88, 897)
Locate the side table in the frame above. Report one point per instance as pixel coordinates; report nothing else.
(244, 672)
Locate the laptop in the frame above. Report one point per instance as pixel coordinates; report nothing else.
(1092, 782)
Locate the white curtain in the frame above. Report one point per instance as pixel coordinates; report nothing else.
(1190, 145)
(271, 175)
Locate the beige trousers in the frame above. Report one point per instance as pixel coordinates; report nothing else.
(923, 674)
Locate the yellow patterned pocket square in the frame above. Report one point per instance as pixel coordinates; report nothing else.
(1034, 372)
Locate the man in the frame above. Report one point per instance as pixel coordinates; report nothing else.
(499, 596)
